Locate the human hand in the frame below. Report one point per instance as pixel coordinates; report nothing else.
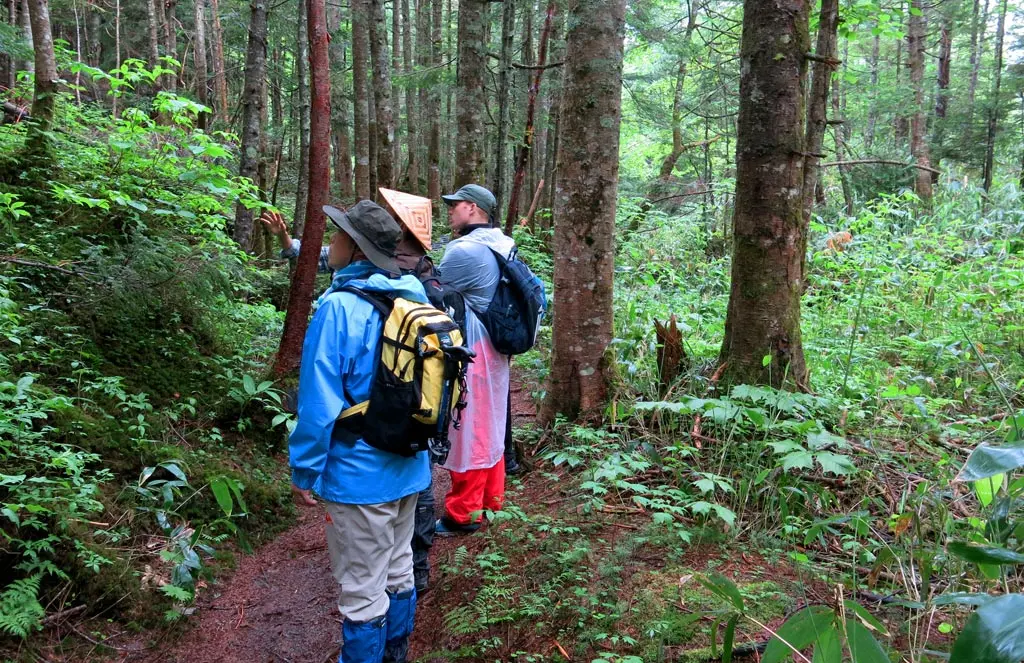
(304, 497)
(274, 223)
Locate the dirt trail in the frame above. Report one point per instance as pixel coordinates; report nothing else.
(280, 604)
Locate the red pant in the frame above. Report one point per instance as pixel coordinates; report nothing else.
(475, 490)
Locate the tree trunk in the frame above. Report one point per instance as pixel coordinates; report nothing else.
(371, 99)
(763, 319)
(94, 23)
(45, 95)
(993, 108)
(469, 106)
(977, 46)
(220, 81)
(382, 96)
(411, 116)
(524, 149)
(585, 207)
(252, 111)
(153, 12)
(942, 90)
(28, 65)
(301, 73)
(360, 113)
(918, 121)
(551, 161)
(396, 99)
(171, 42)
(669, 163)
(301, 292)
(199, 57)
(508, 29)
(10, 72)
(434, 110)
(869, 132)
(817, 102)
(339, 108)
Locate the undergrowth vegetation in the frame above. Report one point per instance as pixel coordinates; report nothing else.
(133, 334)
(856, 501)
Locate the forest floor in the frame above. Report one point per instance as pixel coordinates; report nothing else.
(279, 603)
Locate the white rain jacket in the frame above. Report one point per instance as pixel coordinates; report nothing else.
(470, 267)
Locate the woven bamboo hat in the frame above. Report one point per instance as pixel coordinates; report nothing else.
(414, 212)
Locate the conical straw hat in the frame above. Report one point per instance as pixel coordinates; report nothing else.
(414, 212)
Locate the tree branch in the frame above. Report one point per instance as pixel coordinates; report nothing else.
(890, 162)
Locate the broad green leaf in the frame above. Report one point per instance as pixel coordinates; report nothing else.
(986, 489)
(797, 459)
(962, 598)
(784, 446)
(828, 649)
(821, 438)
(221, 491)
(987, 461)
(249, 384)
(994, 633)
(984, 554)
(869, 620)
(800, 630)
(263, 386)
(863, 646)
(175, 470)
(724, 588)
(835, 463)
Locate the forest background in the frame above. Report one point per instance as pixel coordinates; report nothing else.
(806, 223)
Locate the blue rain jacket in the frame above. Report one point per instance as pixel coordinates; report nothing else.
(339, 358)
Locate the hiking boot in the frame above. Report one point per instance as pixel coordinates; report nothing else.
(421, 577)
(446, 527)
(512, 466)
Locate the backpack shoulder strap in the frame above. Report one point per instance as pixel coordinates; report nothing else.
(380, 301)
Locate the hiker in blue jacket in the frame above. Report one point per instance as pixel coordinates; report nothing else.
(370, 494)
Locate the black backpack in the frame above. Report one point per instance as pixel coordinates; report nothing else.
(513, 316)
(441, 295)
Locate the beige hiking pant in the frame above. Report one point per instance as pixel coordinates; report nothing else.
(371, 554)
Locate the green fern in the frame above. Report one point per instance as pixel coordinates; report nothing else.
(20, 610)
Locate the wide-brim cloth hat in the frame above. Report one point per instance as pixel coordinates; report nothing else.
(414, 212)
(372, 229)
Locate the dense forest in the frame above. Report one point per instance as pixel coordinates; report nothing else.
(776, 409)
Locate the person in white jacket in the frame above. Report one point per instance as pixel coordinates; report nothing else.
(476, 461)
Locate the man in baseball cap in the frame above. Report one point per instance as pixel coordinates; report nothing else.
(476, 195)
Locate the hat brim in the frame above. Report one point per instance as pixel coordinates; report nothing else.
(373, 254)
(453, 198)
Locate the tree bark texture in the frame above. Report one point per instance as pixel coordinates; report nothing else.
(994, 103)
(821, 78)
(523, 152)
(585, 208)
(412, 177)
(302, 80)
(918, 120)
(253, 99)
(508, 33)
(434, 110)
(382, 98)
(977, 46)
(199, 58)
(171, 41)
(45, 94)
(361, 98)
(340, 122)
(220, 81)
(153, 12)
(469, 101)
(763, 317)
(301, 293)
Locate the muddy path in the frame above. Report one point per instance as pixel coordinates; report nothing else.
(279, 605)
